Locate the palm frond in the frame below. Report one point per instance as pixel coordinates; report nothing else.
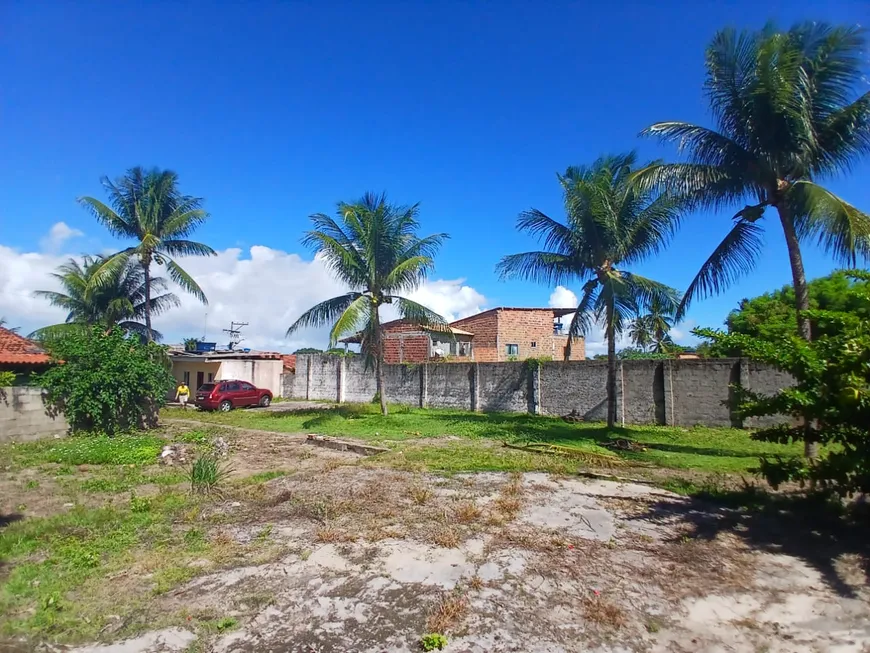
(358, 311)
(733, 258)
(417, 313)
(118, 225)
(175, 247)
(324, 313)
(841, 229)
(581, 321)
(183, 279)
(554, 235)
(542, 267)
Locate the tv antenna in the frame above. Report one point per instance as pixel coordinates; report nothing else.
(235, 332)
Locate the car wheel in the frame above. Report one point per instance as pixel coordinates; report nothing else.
(225, 406)
(265, 400)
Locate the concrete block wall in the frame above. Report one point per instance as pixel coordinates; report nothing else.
(23, 416)
(681, 393)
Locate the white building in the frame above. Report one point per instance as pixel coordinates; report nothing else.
(262, 368)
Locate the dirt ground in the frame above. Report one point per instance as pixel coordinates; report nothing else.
(371, 559)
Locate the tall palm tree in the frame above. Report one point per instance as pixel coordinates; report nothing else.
(610, 224)
(120, 302)
(652, 329)
(147, 206)
(786, 115)
(374, 249)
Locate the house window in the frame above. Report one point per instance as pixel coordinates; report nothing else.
(210, 377)
(512, 350)
(187, 378)
(534, 344)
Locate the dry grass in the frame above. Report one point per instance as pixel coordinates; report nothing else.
(420, 494)
(601, 612)
(475, 583)
(447, 614)
(223, 538)
(446, 537)
(331, 535)
(508, 507)
(466, 512)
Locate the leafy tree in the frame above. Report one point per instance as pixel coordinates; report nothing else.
(119, 300)
(831, 391)
(637, 354)
(786, 116)
(773, 315)
(611, 224)
(373, 248)
(106, 381)
(147, 206)
(308, 350)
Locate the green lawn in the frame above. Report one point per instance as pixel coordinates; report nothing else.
(700, 448)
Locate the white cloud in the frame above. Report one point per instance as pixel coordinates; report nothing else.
(561, 297)
(57, 236)
(269, 289)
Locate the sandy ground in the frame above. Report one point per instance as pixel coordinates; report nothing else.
(371, 559)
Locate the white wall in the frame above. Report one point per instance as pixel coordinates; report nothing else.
(262, 373)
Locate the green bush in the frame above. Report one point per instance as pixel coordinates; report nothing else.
(829, 403)
(433, 641)
(7, 379)
(105, 381)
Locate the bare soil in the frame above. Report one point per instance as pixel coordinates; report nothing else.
(368, 560)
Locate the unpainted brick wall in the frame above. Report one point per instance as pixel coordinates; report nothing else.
(682, 393)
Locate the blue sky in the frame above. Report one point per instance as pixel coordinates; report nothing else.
(272, 111)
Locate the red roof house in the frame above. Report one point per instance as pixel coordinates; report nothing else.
(17, 351)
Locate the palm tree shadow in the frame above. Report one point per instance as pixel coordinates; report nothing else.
(813, 530)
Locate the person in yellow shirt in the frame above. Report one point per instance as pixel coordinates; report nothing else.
(182, 394)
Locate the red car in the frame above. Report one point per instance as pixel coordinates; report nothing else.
(228, 394)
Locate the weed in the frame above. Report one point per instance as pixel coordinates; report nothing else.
(194, 539)
(223, 538)
(509, 507)
(449, 611)
(446, 537)
(139, 504)
(475, 583)
(466, 512)
(653, 625)
(207, 475)
(90, 450)
(420, 494)
(32, 484)
(328, 534)
(262, 477)
(603, 613)
(305, 555)
(264, 533)
(226, 623)
(433, 641)
(197, 436)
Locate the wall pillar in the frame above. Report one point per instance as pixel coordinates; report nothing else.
(475, 387)
(536, 389)
(424, 385)
(308, 374)
(341, 374)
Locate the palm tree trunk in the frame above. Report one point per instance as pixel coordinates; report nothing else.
(611, 369)
(379, 358)
(146, 268)
(802, 303)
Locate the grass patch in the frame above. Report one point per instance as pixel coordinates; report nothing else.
(86, 450)
(262, 477)
(702, 448)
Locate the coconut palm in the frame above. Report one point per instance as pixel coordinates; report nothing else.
(119, 301)
(4, 322)
(373, 248)
(610, 224)
(146, 205)
(786, 116)
(652, 329)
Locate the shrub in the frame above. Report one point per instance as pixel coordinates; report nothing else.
(829, 403)
(207, 475)
(105, 381)
(7, 379)
(433, 641)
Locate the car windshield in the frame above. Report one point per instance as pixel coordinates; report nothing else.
(206, 387)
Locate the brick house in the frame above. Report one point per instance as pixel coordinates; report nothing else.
(502, 334)
(496, 335)
(407, 342)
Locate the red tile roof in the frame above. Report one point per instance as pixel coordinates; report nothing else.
(289, 361)
(18, 350)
